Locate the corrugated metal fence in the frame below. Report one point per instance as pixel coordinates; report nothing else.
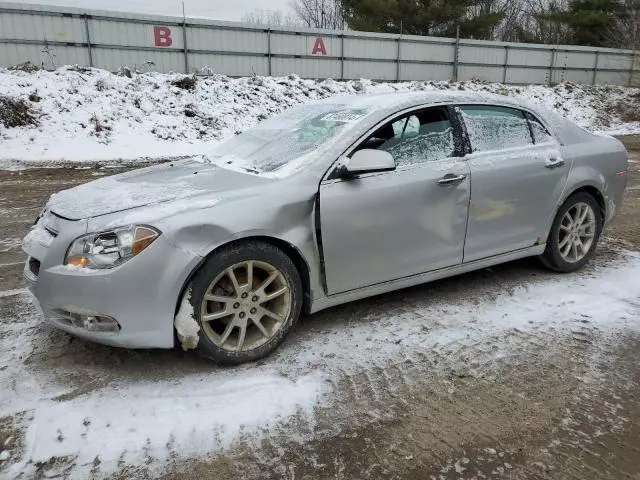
(51, 36)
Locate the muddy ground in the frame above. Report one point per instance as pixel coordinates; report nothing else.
(558, 400)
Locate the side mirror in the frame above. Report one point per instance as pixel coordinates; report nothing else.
(367, 161)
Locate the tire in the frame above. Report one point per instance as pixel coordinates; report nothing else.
(553, 257)
(236, 257)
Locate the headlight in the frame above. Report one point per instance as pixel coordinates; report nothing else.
(110, 248)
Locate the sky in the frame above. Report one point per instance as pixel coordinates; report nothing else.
(217, 9)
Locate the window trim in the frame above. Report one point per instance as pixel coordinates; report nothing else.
(528, 115)
(456, 124)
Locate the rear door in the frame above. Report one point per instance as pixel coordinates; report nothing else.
(388, 225)
(517, 177)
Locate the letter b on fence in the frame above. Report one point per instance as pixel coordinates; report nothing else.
(162, 36)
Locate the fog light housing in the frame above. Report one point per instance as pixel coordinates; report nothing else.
(95, 323)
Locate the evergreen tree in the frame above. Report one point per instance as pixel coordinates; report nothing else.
(590, 21)
(421, 17)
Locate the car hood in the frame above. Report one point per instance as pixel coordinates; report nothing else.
(147, 186)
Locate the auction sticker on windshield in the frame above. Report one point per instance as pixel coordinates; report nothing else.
(344, 117)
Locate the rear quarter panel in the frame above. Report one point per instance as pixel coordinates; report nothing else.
(598, 163)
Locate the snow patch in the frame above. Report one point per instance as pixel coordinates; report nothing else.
(149, 420)
(38, 235)
(11, 293)
(186, 324)
(113, 194)
(74, 269)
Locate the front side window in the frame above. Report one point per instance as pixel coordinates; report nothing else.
(494, 128)
(416, 138)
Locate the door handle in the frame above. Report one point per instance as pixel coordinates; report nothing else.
(553, 162)
(450, 179)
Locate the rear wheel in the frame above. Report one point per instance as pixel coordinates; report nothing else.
(574, 234)
(246, 298)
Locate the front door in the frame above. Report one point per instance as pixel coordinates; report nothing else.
(518, 176)
(388, 225)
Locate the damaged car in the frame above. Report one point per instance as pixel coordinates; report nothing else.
(326, 203)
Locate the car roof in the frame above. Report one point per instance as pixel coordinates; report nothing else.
(395, 101)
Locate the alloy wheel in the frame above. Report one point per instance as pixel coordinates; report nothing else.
(245, 306)
(576, 232)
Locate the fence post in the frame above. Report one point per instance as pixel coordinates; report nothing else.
(88, 34)
(633, 64)
(342, 56)
(551, 64)
(269, 50)
(455, 54)
(184, 40)
(398, 61)
(595, 68)
(186, 50)
(506, 63)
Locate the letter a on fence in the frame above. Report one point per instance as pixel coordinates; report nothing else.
(318, 47)
(162, 36)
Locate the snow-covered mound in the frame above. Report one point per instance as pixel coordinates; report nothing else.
(94, 115)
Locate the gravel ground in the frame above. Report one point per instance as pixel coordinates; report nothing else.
(412, 387)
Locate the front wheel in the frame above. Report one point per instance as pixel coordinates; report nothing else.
(246, 298)
(574, 234)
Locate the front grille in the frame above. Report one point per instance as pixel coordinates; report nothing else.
(34, 266)
(52, 232)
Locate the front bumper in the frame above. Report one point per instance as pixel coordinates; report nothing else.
(141, 295)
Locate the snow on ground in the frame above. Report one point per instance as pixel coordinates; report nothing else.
(94, 115)
(130, 422)
(198, 414)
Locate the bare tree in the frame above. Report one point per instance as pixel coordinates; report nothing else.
(526, 20)
(514, 11)
(625, 29)
(273, 18)
(320, 13)
(545, 30)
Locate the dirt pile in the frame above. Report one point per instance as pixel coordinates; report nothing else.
(15, 112)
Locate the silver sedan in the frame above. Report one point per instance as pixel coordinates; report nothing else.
(324, 204)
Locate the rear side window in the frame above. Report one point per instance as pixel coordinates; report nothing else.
(495, 128)
(539, 132)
